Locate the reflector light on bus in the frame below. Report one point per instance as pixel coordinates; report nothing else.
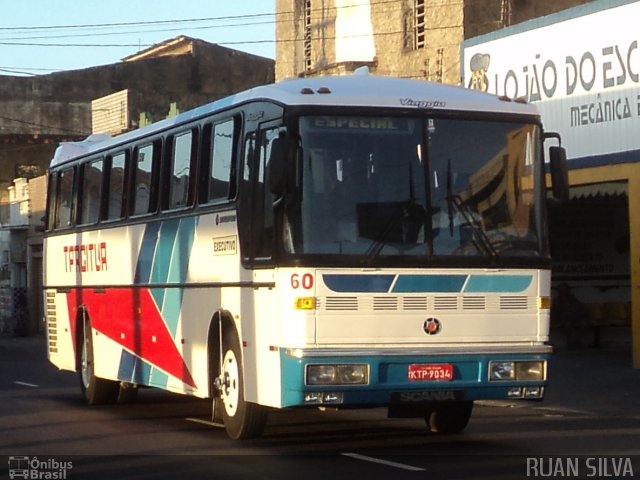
(305, 303)
(544, 303)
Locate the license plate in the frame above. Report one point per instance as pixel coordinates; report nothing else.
(430, 372)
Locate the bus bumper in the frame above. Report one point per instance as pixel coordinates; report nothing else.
(313, 377)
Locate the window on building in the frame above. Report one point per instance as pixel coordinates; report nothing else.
(307, 35)
(419, 22)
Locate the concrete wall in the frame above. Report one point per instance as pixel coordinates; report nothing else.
(59, 103)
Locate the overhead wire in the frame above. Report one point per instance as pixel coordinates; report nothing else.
(17, 41)
(245, 20)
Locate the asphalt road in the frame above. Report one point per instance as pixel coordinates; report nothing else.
(44, 423)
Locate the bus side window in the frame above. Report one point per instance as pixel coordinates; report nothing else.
(64, 199)
(179, 177)
(91, 192)
(263, 198)
(52, 188)
(144, 170)
(221, 162)
(249, 152)
(116, 188)
(245, 195)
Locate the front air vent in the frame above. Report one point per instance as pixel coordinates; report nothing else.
(445, 303)
(385, 303)
(342, 303)
(473, 303)
(514, 303)
(414, 303)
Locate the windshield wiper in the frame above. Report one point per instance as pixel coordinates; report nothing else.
(480, 238)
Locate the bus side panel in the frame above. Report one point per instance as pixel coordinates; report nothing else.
(214, 260)
(60, 331)
(278, 326)
(544, 314)
(262, 334)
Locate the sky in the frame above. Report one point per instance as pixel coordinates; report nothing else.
(44, 36)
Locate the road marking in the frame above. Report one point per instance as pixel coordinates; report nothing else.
(25, 384)
(204, 422)
(364, 458)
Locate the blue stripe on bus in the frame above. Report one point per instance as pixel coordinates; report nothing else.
(429, 283)
(438, 283)
(162, 258)
(147, 252)
(498, 283)
(133, 369)
(177, 272)
(359, 283)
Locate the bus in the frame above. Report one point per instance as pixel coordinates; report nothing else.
(343, 242)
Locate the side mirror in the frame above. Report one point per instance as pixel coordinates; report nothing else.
(558, 169)
(559, 173)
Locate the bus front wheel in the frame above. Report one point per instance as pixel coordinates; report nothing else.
(241, 419)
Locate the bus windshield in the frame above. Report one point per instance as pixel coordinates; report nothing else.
(379, 187)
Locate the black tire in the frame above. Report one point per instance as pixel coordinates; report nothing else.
(449, 418)
(242, 419)
(96, 391)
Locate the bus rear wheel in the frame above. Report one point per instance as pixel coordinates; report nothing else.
(242, 419)
(96, 391)
(449, 418)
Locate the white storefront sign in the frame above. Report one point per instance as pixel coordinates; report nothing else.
(583, 72)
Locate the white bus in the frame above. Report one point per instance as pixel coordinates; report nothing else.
(340, 241)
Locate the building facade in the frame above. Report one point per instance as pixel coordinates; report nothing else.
(404, 38)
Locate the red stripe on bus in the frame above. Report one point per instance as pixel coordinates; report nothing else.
(131, 318)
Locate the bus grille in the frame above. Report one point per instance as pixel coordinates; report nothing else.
(385, 303)
(415, 303)
(341, 303)
(513, 303)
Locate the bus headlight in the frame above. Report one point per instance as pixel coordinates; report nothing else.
(532, 371)
(501, 371)
(514, 370)
(342, 374)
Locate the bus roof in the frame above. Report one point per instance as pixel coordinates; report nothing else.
(355, 90)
